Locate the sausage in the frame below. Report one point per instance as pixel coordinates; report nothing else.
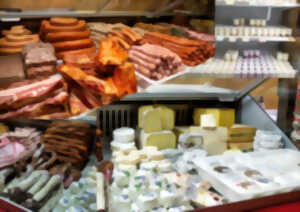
(73, 45)
(128, 34)
(16, 38)
(16, 32)
(79, 51)
(60, 21)
(10, 50)
(46, 27)
(123, 43)
(51, 184)
(17, 44)
(67, 36)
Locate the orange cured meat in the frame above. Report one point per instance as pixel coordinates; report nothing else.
(67, 36)
(79, 51)
(73, 45)
(60, 21)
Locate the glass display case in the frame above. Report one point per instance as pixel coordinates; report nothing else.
(147, 106)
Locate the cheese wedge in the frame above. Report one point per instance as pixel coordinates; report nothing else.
(162, 140)
(214, 140)
(241, 133)
(142, 109)
(151, 121)
(197, 115)
(223, 117)
(167, 117)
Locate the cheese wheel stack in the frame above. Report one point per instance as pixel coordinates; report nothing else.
(15, 39)
(67, 35)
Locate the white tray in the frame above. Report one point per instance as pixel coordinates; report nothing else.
(280, 172)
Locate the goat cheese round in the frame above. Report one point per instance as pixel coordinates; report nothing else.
(169, 198)
(147, 202)
(124, 135)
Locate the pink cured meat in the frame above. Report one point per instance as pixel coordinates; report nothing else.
(149, 59)
(58, 99)
(32, 91)
(142, 63)
(11, 153)
(157, 51)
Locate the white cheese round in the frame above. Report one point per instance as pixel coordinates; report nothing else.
(124, 135)
(148, 201)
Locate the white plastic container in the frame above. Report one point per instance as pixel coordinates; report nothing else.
(248, 175)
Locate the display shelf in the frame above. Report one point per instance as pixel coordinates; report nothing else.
(264, 66)
(238, 4)
(31, 14)
(254, 38)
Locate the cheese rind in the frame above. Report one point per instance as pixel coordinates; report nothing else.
(197, 115)
(162, 140)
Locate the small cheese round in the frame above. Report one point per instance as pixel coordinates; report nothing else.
(124, 135)
(124, 147)
(128, 167)
(156, 155)
(148, 201)
(164, 167)
(168, 198)
(149, 166)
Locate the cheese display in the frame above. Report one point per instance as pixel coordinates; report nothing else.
(224, 117)
(162, 139)
(167, 117)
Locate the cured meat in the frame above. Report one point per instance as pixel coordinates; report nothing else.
(10, 153)
(42, 71)
(76, 105)
(5, 43)
(47, 27)
(69, 149)
(62, 54)
(67, 36)
(38, 54)
(50, 105)
(89, 82)
(59, 21)
(73, 45)
(111, 53)
(192, 52)
(125, 80)
(16, 38)
(84, 61)
(154, 61)
(17, 97)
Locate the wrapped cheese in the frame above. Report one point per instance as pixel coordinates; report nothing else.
(162, 140)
